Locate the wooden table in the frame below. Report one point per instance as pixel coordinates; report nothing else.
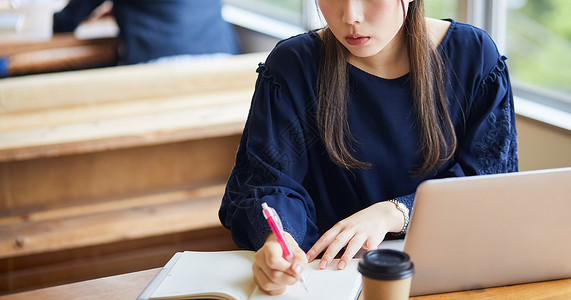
(129, 286)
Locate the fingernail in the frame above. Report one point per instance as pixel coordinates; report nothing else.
(341, 265)
(297, 268)
(323, 264)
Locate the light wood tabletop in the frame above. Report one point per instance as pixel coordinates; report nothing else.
(129, 286)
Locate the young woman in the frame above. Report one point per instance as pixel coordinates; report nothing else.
(348, 120)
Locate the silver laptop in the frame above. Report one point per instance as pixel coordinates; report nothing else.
(492, 230)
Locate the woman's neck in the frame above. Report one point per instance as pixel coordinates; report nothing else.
(391, 62)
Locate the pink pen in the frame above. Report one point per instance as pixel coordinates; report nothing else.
(276, 225)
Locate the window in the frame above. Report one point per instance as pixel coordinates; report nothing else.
(441, 9)
(538, 44)
(279, 19)
(535, 35)
(284, 10)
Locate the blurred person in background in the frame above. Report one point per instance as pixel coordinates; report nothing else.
(155, 30)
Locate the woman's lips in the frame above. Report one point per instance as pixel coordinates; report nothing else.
(357, 40)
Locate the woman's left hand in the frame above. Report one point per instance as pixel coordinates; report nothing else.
(364, 229)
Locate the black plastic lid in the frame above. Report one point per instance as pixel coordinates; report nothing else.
(386, 264)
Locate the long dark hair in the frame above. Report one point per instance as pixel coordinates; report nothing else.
(436, 133)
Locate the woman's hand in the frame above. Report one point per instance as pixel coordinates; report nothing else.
(364, 229)
(271, 271)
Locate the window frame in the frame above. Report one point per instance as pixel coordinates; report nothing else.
(541, 104)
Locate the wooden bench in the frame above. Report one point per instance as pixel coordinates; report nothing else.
(108, 171)
(63, 52)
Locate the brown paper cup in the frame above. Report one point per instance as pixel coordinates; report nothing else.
(387, 274)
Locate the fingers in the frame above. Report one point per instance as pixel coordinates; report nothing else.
(335, 246)
(353, 247)
(373, 243)
(333, 241)
(272, 273)
(299, 262)
(342, 235)
(323, 242)
(265, 282)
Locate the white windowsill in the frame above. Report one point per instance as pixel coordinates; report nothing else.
(542, 113)
(259, 23)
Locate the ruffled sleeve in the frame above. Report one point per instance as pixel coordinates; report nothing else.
(271, 164)
(489, 144)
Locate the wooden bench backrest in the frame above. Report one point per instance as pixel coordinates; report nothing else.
(103, 133)
(126, 83)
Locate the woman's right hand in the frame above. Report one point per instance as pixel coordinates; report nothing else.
(272, 272)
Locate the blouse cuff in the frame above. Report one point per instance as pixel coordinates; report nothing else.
(407, 200)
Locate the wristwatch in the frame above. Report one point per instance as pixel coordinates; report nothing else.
(404, 210)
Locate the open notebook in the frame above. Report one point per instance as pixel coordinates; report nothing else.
(228, 275)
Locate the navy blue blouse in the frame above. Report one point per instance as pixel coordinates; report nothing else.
(281, 159)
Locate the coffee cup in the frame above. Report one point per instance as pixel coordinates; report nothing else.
(387, 274)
